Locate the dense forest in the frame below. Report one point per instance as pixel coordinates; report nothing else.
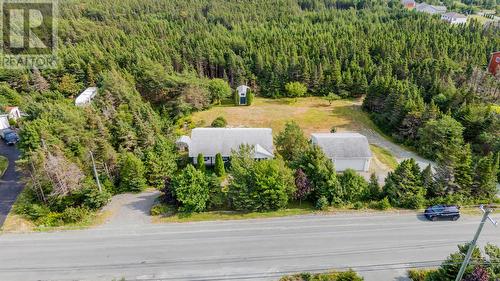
(155, 62)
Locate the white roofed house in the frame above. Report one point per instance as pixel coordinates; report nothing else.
(210, 141)
(454, 18)
(430, 9)
(346, 150)
(86, 96)
(4, 121)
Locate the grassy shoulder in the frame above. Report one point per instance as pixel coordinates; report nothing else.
(164, 213)
(327, 276)
(4, 163)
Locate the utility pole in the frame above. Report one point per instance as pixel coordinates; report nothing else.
(95, 172)
(472, 245)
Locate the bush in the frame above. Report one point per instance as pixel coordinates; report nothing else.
(354, 186)
(74, 215)
(51, 219)
(322, 203)
(219, 122)
(250, 97)
(295, 89)
(93, 199)
(419, 274)
(191, 190)
(358, 205)
(200, 162)
(381, 205)
(160, 209)
(259, 185)
(33, 211)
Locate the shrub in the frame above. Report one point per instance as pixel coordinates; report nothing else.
(333, 130)
(219, 122)
(191, 189)
(358, 205)
(353, 185)
(250, 97)
(33, 211)
(51, 219)
(160, 209)
(259, 185)
(295, 89)
(381, 205)
(219, 165)
(322, 203)
(93, 199)
(200, 162)
(219, 89)
(74, 215)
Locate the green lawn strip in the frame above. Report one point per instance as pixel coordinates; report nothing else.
(384, 156)
(4, 163)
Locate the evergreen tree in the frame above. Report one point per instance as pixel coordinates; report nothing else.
(200, 160)
(131, 173)
(219, 165)
(404, 186)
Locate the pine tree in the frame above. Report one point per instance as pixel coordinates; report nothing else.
(200, 160)
(374, 190)
(219, 165)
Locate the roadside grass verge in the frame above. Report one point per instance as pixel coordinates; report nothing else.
(4, 163)
(384, 156)
(164, 213)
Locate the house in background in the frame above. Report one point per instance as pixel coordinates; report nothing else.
(494, 65)
(13, 112)
(210, 141)
(430, 9)
(346, 150)
(86, 96)
(242, 92)
(454, 18)
(4, 121)
(408, 4)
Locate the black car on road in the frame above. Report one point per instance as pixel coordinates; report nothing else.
(442, 212)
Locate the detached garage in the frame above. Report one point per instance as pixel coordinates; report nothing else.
(347, 150)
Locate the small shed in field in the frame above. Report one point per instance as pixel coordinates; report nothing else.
(242, 92)
(346, 150)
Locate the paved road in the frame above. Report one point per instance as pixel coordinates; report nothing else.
(9, 183)
(380, 246)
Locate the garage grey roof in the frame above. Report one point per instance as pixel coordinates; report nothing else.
(343, 145)
(210, 141)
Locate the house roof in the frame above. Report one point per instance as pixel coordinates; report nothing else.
(86, 95)
(455, 15)
(210, 141)
(424, 6)
(343, 145)
(242, 89)
(10, 108)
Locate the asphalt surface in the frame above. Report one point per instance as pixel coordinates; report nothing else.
(379, 246)
(10, 187)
